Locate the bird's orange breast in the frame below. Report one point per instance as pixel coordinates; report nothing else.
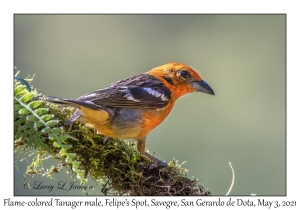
(153, 117)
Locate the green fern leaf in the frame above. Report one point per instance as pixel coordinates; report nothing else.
(52, 123)
(45, 147)
(17, 107)
(27, 97)
(20, 120)
(31, 118)
(41, 111)
(18, 90)
(47, 117)
(34, 104)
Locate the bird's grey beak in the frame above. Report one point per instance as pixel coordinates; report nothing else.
(203, 87)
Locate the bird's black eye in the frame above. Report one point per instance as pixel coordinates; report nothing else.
(184, 74)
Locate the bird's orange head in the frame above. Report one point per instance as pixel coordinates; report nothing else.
(181, 79)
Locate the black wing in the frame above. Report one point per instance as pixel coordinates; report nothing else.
(141, 91)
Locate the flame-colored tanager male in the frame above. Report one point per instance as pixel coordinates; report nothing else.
(132, 107)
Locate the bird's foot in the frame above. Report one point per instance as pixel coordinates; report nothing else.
(70, 127)
(158, 163)
(106, 139)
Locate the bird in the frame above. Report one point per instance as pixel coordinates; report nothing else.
(132, 107)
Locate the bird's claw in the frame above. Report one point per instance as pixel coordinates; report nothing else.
(106, 139)
(158, 163)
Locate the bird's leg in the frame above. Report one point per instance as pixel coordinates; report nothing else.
(70, 127)
(106, 139)
(141, 148)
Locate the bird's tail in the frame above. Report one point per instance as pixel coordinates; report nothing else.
(73, 103)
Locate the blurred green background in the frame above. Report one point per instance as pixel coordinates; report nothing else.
(242, 57)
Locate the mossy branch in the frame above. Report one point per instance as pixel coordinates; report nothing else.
(39, 126)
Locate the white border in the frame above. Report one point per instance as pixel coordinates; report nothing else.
(8, 8)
